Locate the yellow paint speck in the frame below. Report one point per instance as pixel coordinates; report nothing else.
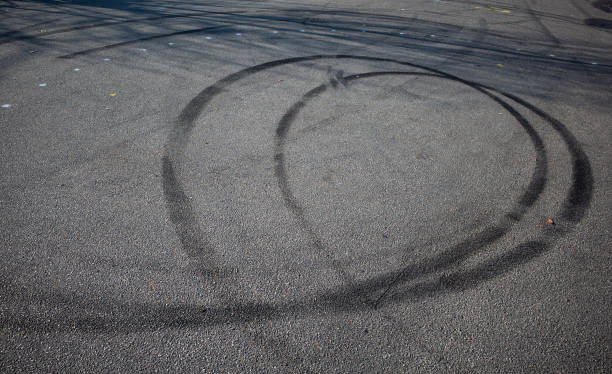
(113, 94)
(500, 65)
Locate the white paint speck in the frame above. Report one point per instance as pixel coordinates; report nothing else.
(432, 35)
(171, 44)
(76, 69)
(401, 33)
(333, 29)
(593, 63)
(209, 37)
(107, 59)
(302, 30)
(551, 55)
(518, 49)
(238, 34)
(142, 49)
(42, 85)
(274, 32)
(6, 105)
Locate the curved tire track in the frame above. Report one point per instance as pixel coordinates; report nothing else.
(574, 207)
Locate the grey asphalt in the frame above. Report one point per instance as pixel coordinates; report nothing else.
(315, 186)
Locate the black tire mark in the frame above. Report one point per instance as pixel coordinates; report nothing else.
(543, 27)
(580, 8)
(92, 26)
(579, 197)
(153, 37)
(281, 173)
(183, 217)
(128, 317)
(10, 33)
(456, 254)
(575, 204)
(339, 28)
(600, 23)
(605, 5)
(590, 21)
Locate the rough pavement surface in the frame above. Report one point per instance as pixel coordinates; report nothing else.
(315, 186)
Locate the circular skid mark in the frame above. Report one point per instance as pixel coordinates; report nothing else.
(351, 296)
(451, 257)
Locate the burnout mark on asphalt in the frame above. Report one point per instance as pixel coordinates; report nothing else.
(346, 298)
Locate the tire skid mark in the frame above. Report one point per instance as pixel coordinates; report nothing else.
(252, 22)
(579, 198)
(134, 41)
(138, 317)
(8, 34)
(543, 27)
(458, 253)
(576, 203)
(281, 173)
(184, 219)
(92, 26)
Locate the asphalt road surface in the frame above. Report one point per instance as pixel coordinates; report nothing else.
(315, 186)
